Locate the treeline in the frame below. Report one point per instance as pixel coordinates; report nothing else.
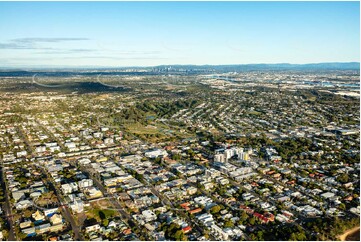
(316, 229)
(162, 109)
(331, 228)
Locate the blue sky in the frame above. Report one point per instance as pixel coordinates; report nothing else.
(154, 33)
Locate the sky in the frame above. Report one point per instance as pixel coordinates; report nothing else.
(155, 33)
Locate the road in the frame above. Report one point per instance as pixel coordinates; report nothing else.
(115, 202)
(179, 211)
(295, 212)
(7, 208)
(50, 135)
(68, 216)
(65, 210)
(29, 147)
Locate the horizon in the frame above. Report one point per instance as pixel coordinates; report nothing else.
(175, 65)
(147, 34)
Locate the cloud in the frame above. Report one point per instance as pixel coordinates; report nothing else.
(17, 46)
(46, 40)
(141, 52)
(116, 58)
(65, 51)
(33, 43)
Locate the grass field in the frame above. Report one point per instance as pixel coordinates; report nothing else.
(98, 210)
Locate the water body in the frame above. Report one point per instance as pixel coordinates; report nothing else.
(332, 84)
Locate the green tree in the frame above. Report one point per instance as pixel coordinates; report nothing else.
(105, 222)
(179, 235)
(27, 213)
(215, 209)
(260, 235)
(252, 221)
(228, 224)
(342, 206)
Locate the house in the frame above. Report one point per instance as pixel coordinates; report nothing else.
(54, 148)
(25, 224)
(38, 216)
(197, 210)
(212, 173)
(112, 225)
(187, 229)
(85, 183)
(50, 212)
(155, 153)
(91, 228)
(348, 185)
(21, 153)
(149, 215)
(281, 218)
(69, 188)
(208, 185)
(108, 141)
(23, 204)
(219, 232)
(93, 192)
(40, 149)
(70, 145)
(77, 205)
(284, 199)
(56, 219)
(222, 181)
(18, 195)
(56, 227)
(149, 227)
(327, 195)
(29, 231)
(185, 205)
(205, 218)
(43, 228)
(35, 195)
(191, 190)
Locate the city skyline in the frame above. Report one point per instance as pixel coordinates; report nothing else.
(115, 34)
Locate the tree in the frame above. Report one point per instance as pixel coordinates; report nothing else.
(27, 213)
(105, 222)
(243, 216)
(301, 236)
(343, 178)
(260, 235)
(228, 224)
(101, 215)
(253, 236)
(293, 237)
(215, 209)
(342, 206)
(22, 236)
(179, 235)
(252, 220)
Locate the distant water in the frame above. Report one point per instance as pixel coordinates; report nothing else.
(354, 237)
(331, 84)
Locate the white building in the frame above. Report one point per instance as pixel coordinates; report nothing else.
(220, 158)
(69, 188)
(156, 153)
(40, 149)
(149, 215)
(85, 183)
(21, 153)
(77, 205)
